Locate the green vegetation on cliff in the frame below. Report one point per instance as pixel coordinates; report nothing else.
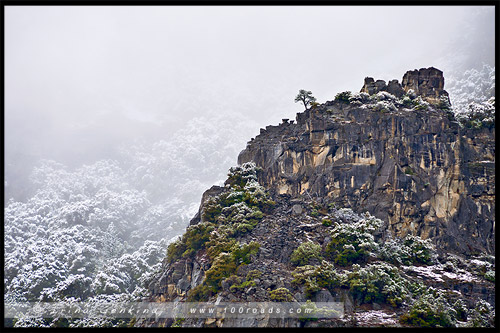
(227, 216)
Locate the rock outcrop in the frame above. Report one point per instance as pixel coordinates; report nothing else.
(426, 82)
(334, 207)
(416, 168)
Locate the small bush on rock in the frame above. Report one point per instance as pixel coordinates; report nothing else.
(378, 283)
(281, 295)
(222, 267)
(305, 253)
(408, 251)
(316, 277)
(354, 241)
(430, 310)
(343, 97)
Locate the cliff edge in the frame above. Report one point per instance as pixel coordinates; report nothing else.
(394, 151)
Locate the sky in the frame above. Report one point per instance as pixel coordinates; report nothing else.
(84, 79)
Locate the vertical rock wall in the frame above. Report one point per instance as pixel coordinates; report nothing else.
(417, 170)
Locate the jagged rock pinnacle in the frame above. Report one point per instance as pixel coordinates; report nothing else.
(425, 82)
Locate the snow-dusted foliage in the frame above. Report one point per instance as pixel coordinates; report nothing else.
(379, 282)
(375, 266)
(473, 85)
(431, 309)
(100, 230)
(242, 207)
(472, 95)
(384, 101)
(84, 233)
(76, 237)
(353, 240)
(407, 251)
(478, 114)
(359, 98)
(384, 96)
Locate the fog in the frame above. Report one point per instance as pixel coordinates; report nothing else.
(81, 81)
(117, 119)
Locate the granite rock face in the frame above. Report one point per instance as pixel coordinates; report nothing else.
(415, 168)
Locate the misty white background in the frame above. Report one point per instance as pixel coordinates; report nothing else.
(80, 80)
(118, 118)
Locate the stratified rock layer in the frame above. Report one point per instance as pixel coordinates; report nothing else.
(416, 169)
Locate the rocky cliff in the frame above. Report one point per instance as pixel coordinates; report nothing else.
(378, 200)
(404, 160)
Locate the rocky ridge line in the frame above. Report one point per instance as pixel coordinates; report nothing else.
(404, 159)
